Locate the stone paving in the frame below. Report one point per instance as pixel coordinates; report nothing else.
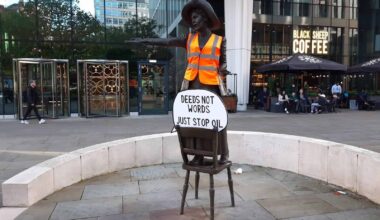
(155, 193)
(22, 146)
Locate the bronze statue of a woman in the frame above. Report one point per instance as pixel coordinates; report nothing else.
(206, 55)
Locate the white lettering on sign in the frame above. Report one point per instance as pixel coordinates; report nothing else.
(306, 43)
(199, 109)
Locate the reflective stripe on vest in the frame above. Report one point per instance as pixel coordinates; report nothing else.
(204, 62)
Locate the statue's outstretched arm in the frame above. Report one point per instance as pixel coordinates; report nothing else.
(165, 42)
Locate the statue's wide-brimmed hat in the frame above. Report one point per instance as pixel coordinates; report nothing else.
(214, 23)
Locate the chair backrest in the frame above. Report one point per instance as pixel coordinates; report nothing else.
(198, 141)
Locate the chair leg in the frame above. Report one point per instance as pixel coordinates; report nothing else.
(231, 186)
(185, 187)
(212, 195)
(196, 184)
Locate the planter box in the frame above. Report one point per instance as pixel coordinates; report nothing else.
(230, 102)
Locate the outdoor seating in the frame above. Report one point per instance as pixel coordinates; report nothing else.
(304, 107)
(330, 105)
(275, 106)
(210, 163)
(369, 105)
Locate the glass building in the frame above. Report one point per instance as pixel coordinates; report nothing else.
(257, 32)
(277, 33)
(120, 11)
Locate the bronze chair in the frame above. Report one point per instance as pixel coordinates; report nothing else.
(209, 165)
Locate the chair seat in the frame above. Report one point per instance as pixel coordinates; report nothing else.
(207, 167)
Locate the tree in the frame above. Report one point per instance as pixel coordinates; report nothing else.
(59, 29)
(60, 26)
(141, 27)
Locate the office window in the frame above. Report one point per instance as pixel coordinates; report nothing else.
(266, 7)
(282, 7)
(338, 9)
(302, 8)
(353, 34)
(336, 44)
(353, 9)
(321, 8)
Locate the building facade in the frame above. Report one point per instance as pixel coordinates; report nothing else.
(324, 28)
(344, 31)
(117, 12)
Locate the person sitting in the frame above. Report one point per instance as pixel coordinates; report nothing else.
(314, 105)
(363, 102)
(323, 103)
(283, 99)
(319, 103)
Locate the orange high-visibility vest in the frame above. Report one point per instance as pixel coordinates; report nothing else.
(204, 62)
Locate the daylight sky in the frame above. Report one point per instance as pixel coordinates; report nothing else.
(86, 5)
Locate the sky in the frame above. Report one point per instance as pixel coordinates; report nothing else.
(86, 5)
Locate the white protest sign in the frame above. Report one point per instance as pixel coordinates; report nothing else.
(199, 109)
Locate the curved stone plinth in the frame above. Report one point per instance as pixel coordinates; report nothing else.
(347, 166)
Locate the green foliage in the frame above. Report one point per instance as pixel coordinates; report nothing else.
(141, 27)
(17, 25)
(66, 32)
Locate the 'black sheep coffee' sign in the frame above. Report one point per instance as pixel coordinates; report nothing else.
(199, 109)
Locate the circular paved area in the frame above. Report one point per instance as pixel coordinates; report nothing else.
(155, 193)
(23, 146)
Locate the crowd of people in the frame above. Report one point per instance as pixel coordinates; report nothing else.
(298, 100)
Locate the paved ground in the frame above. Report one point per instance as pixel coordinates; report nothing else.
(155, 193)
(22, 146)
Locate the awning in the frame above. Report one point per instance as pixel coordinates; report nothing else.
(301, 62)
(372, 66)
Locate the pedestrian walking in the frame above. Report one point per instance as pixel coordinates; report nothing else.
(32, 99)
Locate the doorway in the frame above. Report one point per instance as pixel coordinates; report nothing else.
(153, 87)
(102, 88)
(52, 85)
